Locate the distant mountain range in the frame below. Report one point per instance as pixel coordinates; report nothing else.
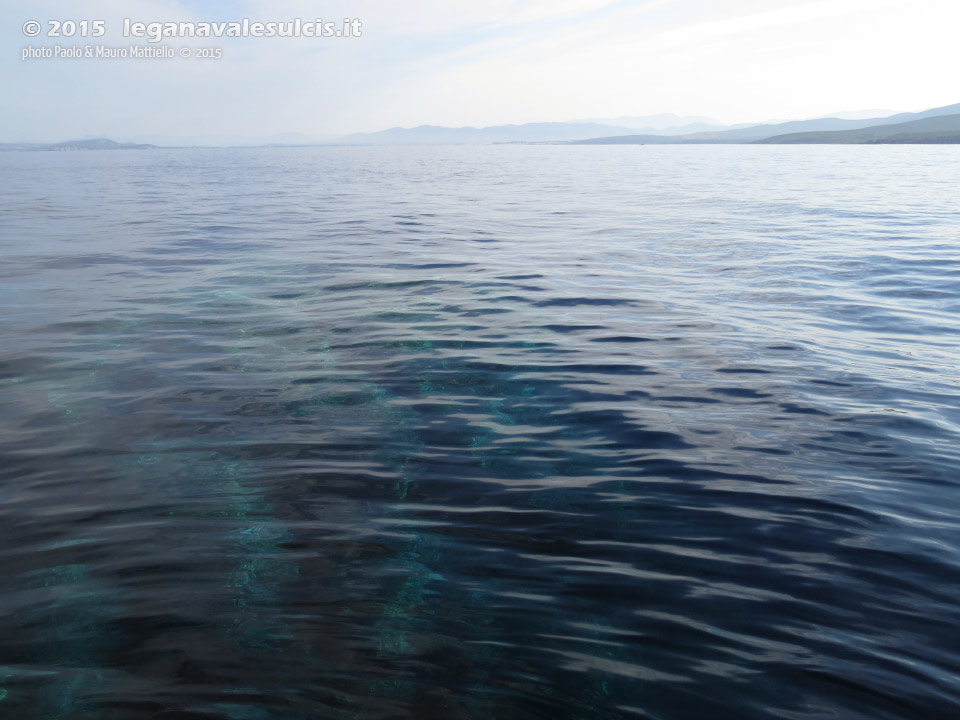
(661, 125)
(665, 124)
(96, 144)
(822, 128)
(862, 114)
(938, 125)
(438, 135)
(663, 129)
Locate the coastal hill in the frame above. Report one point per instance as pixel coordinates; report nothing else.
(941, 129)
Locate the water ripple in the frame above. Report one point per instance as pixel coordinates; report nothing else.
(513, 432)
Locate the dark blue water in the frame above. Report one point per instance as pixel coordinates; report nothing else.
(467, 433)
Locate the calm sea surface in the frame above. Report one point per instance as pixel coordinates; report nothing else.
(507, 432)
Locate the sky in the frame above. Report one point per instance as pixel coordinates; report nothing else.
(476, 63)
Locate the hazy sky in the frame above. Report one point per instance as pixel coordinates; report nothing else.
(483, 62)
